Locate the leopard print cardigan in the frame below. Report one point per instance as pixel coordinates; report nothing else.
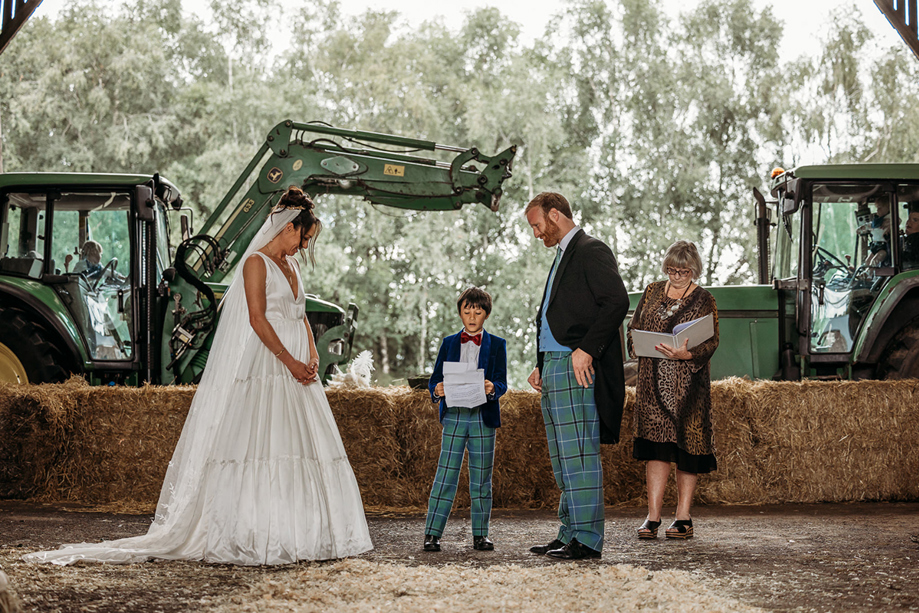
(673, 397)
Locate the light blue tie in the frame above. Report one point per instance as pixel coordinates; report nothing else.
(547, 341)
(558, 258)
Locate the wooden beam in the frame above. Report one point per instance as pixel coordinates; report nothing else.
(904, 17)
(14, 15)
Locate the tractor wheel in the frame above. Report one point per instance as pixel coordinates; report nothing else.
(26, 354)
(901, 358)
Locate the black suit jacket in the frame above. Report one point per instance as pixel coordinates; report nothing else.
(587, 305)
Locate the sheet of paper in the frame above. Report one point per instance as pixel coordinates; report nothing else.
(470, 376)
(464, 388)
(457, 367)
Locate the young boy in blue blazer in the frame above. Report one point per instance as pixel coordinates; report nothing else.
(464, 428)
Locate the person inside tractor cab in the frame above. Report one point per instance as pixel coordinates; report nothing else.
(90, 259)
(909, 242)
(878, 232)
(107, 328)
(90, 264)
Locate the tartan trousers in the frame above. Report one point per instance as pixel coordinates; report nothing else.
(463, 428)
(573, 434)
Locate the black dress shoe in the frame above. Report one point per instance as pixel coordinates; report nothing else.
(544, 549)
(574, 551)
(481, 543)
(431, 542)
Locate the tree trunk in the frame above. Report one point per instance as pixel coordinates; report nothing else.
(384, 354)
(423, 340)
(230, 72)
(529, 169)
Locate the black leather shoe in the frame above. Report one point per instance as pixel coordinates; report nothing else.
(574, 551)
(431, 542)
(482, 543)
(544, 549)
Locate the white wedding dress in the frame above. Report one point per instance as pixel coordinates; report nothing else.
(259, 475)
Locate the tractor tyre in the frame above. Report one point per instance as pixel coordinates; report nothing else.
(26, 353)
(901, 357)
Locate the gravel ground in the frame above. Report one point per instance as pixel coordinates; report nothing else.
(856, 557)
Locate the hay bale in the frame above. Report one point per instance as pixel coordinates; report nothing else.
(522, 473)
(840, 441)
(418, 439)
(74, 442)
(775, 442)
(369, 422)
(736, 437)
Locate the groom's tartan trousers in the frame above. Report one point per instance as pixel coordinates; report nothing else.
(573, 433)
(463, 428)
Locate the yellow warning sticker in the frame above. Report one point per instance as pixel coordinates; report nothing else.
(298, 165)
(393, 170)
(275, 174)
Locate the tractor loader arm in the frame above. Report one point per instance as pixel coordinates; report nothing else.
(326, 160)
(320, 159)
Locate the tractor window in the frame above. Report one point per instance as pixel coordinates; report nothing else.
(163, 257)
(22, 235)
(851, 244)
(787, 247)
(91, 244)
(908, 198)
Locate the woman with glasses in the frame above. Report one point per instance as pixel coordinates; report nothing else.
(672, 416)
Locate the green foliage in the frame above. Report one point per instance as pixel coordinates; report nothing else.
(655, 130)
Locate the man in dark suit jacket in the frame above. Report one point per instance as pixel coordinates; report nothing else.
(578, 370)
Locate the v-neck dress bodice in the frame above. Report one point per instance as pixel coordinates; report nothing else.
(280, 301)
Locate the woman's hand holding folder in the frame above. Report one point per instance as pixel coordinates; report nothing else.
(681, 353)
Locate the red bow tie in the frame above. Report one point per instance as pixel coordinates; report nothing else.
(465, 338)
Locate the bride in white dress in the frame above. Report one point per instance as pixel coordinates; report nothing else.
(259, 475)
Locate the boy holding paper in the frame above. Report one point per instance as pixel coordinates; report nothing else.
(471, 358)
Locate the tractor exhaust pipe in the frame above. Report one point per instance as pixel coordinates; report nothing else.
(762, 222)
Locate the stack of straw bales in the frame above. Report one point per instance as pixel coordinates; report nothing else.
(776, 442)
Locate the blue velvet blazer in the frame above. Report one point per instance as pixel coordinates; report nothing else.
(492, 358)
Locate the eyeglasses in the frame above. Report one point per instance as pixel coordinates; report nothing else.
(678, 272)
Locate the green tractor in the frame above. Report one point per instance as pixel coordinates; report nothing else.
(839, 298)
(90, 283)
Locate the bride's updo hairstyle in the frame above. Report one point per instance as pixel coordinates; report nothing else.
(295, 198)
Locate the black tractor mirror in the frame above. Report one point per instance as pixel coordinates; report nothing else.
(790, 197)
(143, 202)
(186, 228)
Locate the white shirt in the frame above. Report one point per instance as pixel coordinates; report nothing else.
(469, 351)
(563, 244)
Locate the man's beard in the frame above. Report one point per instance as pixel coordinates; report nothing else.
(553, 234)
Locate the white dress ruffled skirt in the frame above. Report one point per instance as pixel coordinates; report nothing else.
(275, 487)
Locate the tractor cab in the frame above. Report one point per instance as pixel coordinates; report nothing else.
(75, 265)
(843, 245)
(89, 238)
